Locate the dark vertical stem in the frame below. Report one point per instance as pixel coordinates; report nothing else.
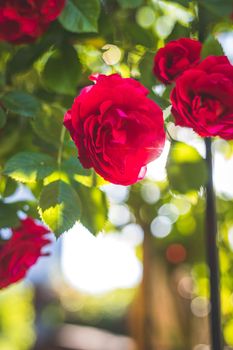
(212, 253)
(146, 285)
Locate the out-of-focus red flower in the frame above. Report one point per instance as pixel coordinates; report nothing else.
(21, 251)
(202, 98)
(22, 21)
(176, 57)
(116, 128)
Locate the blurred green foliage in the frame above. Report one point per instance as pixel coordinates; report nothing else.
(16, 318)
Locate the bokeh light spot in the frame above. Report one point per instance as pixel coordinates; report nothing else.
(185, 287)
(200, 306)
(133, 234)
(112, 55)
(161, 226)
(150, 193)
(119, 214)
(201, 347)
(176, 253)
(145, 16)
(169, 210)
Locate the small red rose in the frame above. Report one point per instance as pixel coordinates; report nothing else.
(202, 98)
(23, 21)
(176, 57)
(21, 251)
(116, 128)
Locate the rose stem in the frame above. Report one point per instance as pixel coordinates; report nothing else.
(211, 224)
(212, 253)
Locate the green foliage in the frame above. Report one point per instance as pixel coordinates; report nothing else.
(8, 215)
(186, 169)
(130, 3)
(211, 47)
(21, 103)
(24, 58)
(59, 206)
(48, 124)
(2, 118)
(29, 167)
(16, 318)
(146, 68)
(64, 61)
(7, 186)
(160, 100)
(76, 172)
(94, 215)
(217, 8)
(136, 35)
(81, 16)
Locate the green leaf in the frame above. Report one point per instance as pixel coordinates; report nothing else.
(29, 167)
(146, 68)
(8, 215)
(94, 215)
(136, 35)
(9, 140)
(211, 47)
(24, 58)
(7, 186)
(186, 169)
(179, 31)
(185, 3)
(48, 124)
(147, 78)
(161, 101)
(65, 62)
(130, 3)
(80, 16)
(59, 206)
(74, 167)
(2, 118)
(21, 103)
(75, 171)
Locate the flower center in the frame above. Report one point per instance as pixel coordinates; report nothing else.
(208, 107)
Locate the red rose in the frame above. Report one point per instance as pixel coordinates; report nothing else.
(173, 59)
(21, 251)
(202, 98)
(116, 128)
(22, 21)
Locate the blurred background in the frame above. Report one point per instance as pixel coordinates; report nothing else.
(142, 282)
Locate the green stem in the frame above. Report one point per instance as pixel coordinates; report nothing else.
(94, 179)
(60, 150)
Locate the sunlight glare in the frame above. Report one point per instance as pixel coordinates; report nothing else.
(99, 264)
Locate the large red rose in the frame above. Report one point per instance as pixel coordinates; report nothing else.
(116, 128)
(22, 21)
(21, 251)
(173, 59)
(202, 98)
